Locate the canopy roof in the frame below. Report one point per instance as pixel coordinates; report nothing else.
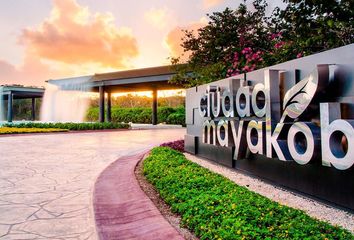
(144, 79)
(20, 92)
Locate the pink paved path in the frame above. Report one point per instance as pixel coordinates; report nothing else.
(122, 210)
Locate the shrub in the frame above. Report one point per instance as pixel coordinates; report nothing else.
(142, 115)
(213, 207)
(92, 114)
(176, 145)
(164, 113)
(176, 118)
(70, 126)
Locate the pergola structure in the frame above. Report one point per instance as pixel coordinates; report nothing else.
(11, 92)
(145, 79)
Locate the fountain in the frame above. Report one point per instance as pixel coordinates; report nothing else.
(66, 100)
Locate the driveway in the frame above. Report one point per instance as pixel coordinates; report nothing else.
(46, 181)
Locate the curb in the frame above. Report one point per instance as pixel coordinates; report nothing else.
(122, 210)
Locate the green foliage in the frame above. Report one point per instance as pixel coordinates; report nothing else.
(176, 118)
(13, 130)
(212, 48)
(164, 113)
(201, 75)
(213, 207)
(133, 101)
(69, 125)
(142, 115)
(22, 108)
(314, 26)
(242, 40)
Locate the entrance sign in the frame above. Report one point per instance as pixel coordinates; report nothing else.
(292, 124)
(300, 143)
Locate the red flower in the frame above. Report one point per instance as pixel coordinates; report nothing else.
(246, 68)
(246, 50)
(279, 44)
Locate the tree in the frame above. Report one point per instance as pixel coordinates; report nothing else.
(213, 48)
(311, 26)
(239, 41)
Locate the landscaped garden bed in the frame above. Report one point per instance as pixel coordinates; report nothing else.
(15, 130)
(214, 207)
(70, 126)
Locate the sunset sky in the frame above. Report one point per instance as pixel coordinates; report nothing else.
(46, 39)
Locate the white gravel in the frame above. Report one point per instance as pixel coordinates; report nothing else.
(312, 207)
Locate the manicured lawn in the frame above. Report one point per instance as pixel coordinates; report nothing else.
(213, 207)
(12, 130)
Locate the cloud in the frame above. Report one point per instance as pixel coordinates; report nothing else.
(74, 35)
(33, 72)
(158, 18)
(211, 3)
(173, 39)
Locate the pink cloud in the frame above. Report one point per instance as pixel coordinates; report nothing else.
(72, 41)
(32, 73)
(175, 36)
(73, 35)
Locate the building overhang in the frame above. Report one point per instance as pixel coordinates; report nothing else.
(145, 79)
(21, 92)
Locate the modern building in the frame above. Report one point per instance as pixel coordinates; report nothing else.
(146, 79)
(10, 92)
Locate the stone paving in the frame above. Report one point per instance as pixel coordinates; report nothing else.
(46, 181)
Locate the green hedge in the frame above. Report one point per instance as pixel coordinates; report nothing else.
(142, 115)
(70, 126)
(213, 207)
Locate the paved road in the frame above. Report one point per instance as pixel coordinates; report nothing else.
(46, 181)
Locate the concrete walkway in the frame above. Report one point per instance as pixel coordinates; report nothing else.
(122, 210)
(46, 181)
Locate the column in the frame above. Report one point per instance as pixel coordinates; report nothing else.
(33, 117)
(101, 104)
(9, 107)
(154, 107)
(109, 106)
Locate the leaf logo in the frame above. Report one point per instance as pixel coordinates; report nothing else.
(298, 98)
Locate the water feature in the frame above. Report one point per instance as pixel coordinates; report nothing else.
(66, 100)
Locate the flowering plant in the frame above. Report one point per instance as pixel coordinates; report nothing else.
(176, 145)
(245, 61)
(251, 58)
